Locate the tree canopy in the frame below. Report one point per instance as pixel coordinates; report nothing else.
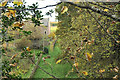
(88, 33)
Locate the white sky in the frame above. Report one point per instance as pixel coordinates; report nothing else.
(43, 3)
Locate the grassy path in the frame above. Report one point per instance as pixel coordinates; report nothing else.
(58, 70)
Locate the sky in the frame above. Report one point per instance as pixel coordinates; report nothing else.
(43, 3)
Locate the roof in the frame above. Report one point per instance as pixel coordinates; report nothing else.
(45, 21)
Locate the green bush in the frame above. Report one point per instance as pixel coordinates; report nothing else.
(46, 51)
(23, 42)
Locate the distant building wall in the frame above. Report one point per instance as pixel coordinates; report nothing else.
(46, 22)
(37, 41)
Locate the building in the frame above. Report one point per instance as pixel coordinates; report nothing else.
(38, 32)
(46, 22)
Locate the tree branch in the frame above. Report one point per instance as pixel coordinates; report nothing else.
(44, 70)
(84, 7)
(96, 10)
(102, 27)
(40, 67)
(31, 8)
(103, 7)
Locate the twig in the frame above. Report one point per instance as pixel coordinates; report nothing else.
(103, 7)
(44, 70)
(84, 7)
(41, 68)
(35, 68)
(102, 27)
(96, 10)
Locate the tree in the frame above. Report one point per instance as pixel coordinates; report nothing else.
(91, 40)
(84, 49)
(12, 17)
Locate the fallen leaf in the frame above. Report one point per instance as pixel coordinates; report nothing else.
(28, 49)
(43, 59)
(58, 61)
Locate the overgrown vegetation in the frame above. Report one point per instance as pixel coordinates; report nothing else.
(89, 41)
(88, 38)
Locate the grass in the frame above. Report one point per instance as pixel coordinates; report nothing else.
(53, 29)
(58, 70)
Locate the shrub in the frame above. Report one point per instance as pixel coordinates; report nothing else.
(46, 51)
(23, 42)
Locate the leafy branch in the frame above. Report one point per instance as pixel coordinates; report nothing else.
(84, 7)
(96, 10)
(102, 26)
(103, 6)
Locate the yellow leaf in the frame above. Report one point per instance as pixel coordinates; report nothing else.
(28, 49)
(86, 26)
(64, 9)
(18, 24)
(58, 61)
(85, 73)
(106, 10)
(12, 11)
(4, 3)
(102, 70)
(14, 15)
(76, 64)
(52, 35)
(88, 56)
(18, 3)
(18, 67)
(7, 14)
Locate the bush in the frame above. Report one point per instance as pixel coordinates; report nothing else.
(46, 51)
(23, 42)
